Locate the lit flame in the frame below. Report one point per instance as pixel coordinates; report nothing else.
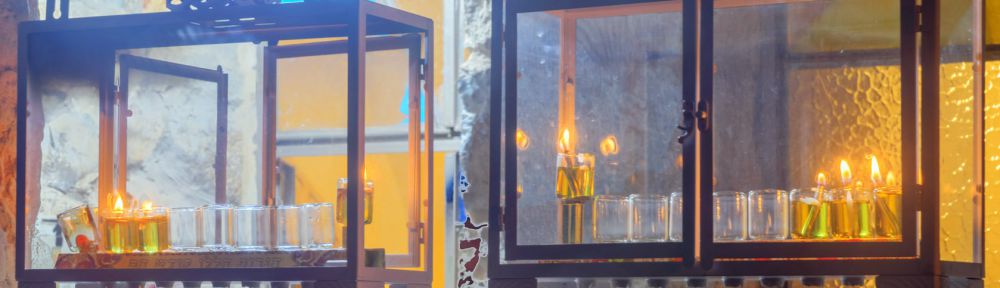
(845, 173)
(679, 161)
(609, 146)
(521, 139)
(876, 174)
(890, 179)
(119, 205)
(820, 179)
(564, 142)
(364, 173)
(147, 205)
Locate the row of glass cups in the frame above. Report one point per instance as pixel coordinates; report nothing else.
(638, 218)
(773, 214)
(251, 227)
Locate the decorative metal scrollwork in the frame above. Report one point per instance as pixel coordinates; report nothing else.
(191, 5)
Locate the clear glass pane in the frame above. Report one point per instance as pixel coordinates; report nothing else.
(160, 136)
(312, 141)
(395, 162)
(61, 159)
(596, 118)
(808, 88)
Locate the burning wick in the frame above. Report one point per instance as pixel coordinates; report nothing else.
(845, 173)
(876, 173)
(564, 142)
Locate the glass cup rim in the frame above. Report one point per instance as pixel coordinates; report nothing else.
(287, 207)
(217, 206)
(84, 207)
(317, 204)
(184, 209)
(611, 197)
(644, 197)
(769, 191)
(728, 194)
(252, 207)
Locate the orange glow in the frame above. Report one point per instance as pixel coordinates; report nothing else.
(147, 206)
(521, 139)
(820, 180)
(609, 146)
(364, 173)
(119, 205)
(564, 142)
(845, 173)
(876, 174)
(890, 179)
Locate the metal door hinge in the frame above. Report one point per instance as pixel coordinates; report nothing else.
(919, 18)
(423, 69)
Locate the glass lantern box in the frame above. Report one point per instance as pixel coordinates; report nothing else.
(705, 140)
(226, 141)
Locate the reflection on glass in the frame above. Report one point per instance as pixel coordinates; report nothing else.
(570, 221)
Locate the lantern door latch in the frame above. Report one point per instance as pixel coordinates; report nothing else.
(691, 117)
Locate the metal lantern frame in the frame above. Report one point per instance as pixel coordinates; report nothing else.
(90, 44)
(911, 258)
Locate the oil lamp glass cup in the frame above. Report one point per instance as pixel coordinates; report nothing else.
(319, 217)
(78, 229)
(120, 234)
(768, 214)
(729, 215)
(217, 227)
(650, 215)
(611, 218)
(810, 214)
(184, 237)
(676, 217)
(289, 227)
(154, 229)
(575, 177)
(569, 221)
(851, 213)
(369, 199)
(252, 227)
(888, 206)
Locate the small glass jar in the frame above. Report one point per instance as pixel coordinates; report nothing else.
(319, 217)
(289, 227)
(650, 215)
(768, 214)
(185, 237)
(252, 227)
(729, 216)
(810, 213)
(888, 206)
(611, 218)
(154, 229)
(676, 217)
(79, 229)
(369, 200)
(217, 227)
(575, 177)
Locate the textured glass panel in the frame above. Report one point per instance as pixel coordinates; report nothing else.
(992, 167)
(829, 103)
(618, 105)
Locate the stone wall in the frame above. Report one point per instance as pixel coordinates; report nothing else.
(11, 12)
